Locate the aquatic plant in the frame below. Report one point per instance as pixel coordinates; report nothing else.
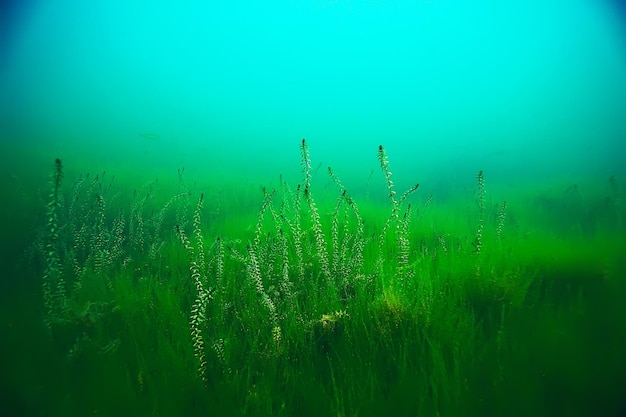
(197, 267)
(302, 304)
(53, 283)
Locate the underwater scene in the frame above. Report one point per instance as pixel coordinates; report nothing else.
(343, 208)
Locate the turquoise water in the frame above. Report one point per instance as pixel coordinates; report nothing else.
(525, 90)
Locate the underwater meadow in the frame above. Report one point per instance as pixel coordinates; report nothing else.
(180, 298)
(313, 208)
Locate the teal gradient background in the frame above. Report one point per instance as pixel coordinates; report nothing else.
(526, 90)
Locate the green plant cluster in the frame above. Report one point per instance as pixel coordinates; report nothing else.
(321, 307)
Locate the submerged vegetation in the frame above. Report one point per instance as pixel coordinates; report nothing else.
(185, 303)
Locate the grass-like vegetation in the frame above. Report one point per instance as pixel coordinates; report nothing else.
(303, 301)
